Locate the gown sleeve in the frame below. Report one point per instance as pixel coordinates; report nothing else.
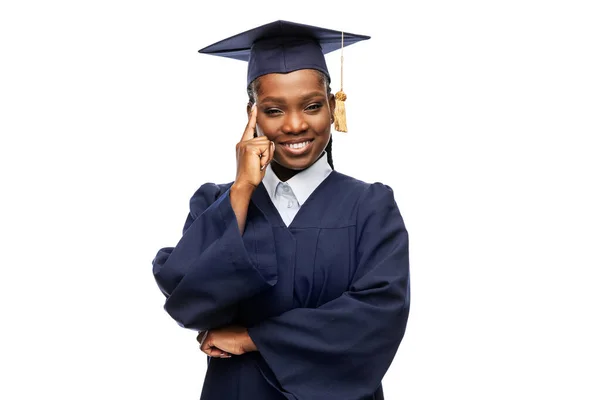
(342, 349)
(213, 266)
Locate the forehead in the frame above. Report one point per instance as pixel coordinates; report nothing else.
(291, 84)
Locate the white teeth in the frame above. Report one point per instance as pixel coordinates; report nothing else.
(297, 145)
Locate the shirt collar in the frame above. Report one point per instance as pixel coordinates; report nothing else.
(303, 183)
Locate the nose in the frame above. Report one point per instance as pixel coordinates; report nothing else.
(294, 122)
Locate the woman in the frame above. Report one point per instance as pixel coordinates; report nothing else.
(295, 275)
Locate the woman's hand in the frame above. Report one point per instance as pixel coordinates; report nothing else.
(253, 154)
(226, 341)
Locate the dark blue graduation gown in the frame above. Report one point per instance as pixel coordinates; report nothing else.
(326, 300)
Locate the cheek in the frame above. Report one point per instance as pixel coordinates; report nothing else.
(266, 127)
(320, 123)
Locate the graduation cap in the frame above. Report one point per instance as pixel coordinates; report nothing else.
(282, 47)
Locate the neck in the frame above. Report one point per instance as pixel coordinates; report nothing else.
(284, 173)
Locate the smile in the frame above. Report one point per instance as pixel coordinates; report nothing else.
(297, 145)
(298, 148)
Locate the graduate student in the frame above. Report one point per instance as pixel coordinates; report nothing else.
(295, 275)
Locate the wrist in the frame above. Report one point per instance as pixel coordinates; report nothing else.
(240, 188)
(249, 345)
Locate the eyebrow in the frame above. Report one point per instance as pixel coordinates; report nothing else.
(282, 100)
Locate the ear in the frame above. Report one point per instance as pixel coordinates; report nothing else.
(332, 106)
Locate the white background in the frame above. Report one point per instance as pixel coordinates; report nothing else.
(482, 116)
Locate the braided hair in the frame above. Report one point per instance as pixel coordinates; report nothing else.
(254, 86)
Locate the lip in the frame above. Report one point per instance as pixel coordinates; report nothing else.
(297, 141)
(297, 152)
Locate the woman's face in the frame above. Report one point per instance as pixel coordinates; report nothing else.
(295, 112)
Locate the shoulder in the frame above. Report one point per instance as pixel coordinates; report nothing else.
(205, 195)
(372, 200)
(365, 192)
(369, 201)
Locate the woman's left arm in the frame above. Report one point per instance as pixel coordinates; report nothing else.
(343, 349)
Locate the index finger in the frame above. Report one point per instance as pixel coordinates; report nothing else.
(249, 132)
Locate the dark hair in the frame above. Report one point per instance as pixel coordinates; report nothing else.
(254, 87)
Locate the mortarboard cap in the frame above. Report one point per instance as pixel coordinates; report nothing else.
(282, 47)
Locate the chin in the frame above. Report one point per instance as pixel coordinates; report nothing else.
(295, 164)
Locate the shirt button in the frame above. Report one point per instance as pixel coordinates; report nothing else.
(286, 188)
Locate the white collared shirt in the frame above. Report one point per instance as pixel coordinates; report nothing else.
(289, 196)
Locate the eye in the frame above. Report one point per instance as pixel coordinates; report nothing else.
(314, 107)
(272, 112)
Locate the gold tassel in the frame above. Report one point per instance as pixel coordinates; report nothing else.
(340, 97)
(340, 112)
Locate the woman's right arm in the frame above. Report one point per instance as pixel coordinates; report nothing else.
(240, 200)
(226, 254)
(253, 154)
(214, 266)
